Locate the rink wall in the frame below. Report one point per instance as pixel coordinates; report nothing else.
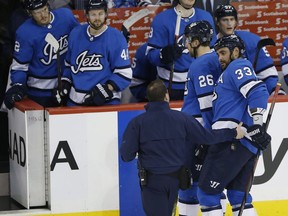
(67, 158)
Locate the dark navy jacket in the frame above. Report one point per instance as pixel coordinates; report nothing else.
(163, 138)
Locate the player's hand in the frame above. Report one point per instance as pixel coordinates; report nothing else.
(16, 93)
(99, 95)
(260, 138)
(201, 151)
(170, 53)
(240, 131)
(61, 95)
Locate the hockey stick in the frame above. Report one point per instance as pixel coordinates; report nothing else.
(135, 18)
(262, 43)
(250, 180)
(177, 30)
(50, 39)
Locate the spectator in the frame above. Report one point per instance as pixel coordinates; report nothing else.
(162, 147)
(98, 68)
(34, 68)
(165, 53)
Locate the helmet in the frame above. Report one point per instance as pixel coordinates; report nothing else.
(34, 4)
(230, 41)
(225, 10)
(202, 30)
(96, 4)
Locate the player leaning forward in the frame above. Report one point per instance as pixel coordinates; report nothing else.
(34, 66)
(239, 97)
(98, 63)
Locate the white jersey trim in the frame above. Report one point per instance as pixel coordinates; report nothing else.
(272, 71)
(246, 88)
(127, 72)
(205, 102)
(136, 82)
(42, 83)
(229, 125)
(17, 66)
(177, 76)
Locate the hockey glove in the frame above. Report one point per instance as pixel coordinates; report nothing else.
(61, 96)
(16, 93)
(260, 138)
(99, 95)
(201, 151)
(170, 53)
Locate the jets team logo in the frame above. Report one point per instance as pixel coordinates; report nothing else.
(49, 52)
(85, 62)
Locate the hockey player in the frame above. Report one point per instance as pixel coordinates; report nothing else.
(284, 60)
(237, 89)
(143, 73)
(163, 50)
(98, 67)
(226, 19)
(161, 145)
(202, 75)
(34, 67)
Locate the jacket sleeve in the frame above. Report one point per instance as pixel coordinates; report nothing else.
(130, 142)
(199, 135)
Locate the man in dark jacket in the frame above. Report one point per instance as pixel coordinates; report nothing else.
(164, 139)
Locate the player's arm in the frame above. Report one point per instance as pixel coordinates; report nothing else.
(284, 60)
(198, 134)
(130, 142)
(265, 68)
(23, 54)
(119, 61)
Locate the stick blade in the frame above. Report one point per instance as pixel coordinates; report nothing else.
(136, 17)
(50, 39)
(265, 42)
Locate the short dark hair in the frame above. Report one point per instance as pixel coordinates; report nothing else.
(156, 91)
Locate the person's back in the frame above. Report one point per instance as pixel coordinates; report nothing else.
(143, 73)
(163, 139)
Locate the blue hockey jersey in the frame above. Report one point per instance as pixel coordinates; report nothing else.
(35, 60)
(238, 90)
(143, 73)
(265, 69)
(96, 59)
(202, 76)
(284, 60)
(162, 33)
